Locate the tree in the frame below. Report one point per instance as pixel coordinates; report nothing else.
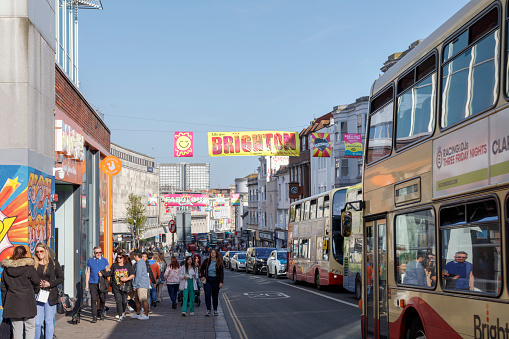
(135, 214)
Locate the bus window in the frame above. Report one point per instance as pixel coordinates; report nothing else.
(305, 216)
(337, 247)
(470, 79)
(297, 212)
(325, 249)
(380, 127)
(304, 248)
(338, 203)
(295, 249)
(416, 249)
(471, 253)
(292, 213)
(312, 211)
(326, 207)
(319, 211)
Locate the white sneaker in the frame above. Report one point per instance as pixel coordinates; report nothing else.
(117, 317)
(192, 313)
(207, 314)
(135, 316)
(130, 309)
(143, 317)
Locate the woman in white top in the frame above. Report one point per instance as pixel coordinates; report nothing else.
(188, 277)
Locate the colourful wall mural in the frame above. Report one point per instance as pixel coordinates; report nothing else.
(25, 209)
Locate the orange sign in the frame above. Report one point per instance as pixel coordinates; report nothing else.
(111, 165)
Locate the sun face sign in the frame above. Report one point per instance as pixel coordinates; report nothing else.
(183, 144)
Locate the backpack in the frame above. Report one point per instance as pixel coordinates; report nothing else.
(150, 273)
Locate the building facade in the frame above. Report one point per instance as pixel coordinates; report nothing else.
(252, 208)
(184, 177)
(282, 178)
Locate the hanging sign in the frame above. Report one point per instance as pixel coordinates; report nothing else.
(111, 165)
(183, 144)
(353, 145)
(321, 145)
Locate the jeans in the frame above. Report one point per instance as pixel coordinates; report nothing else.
(211, 291)
(153, 293)
(94, 292)
(188, 296)
(46, 315)
(173, 290)
(121, 300)
(23, 326)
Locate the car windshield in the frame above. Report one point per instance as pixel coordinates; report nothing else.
(241, 256)
(281, 255)
(263, 252)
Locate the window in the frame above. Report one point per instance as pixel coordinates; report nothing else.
(292, 213)
(297, 212)
(470, 71)
(326, 207)
(325, 249)
(319, 212)
(304, 248)
(344, 129)
(295, 248)
(416, 103)
(344, 168)
(380, 126)
(470, 235)
(416, 249)
(359, 123)
(306, 211)
(312, 211)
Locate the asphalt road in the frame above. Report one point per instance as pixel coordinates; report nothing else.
(258, 307)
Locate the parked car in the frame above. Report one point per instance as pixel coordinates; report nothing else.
(238, 261)
(256, 259)
(226, 258)
(276, 264)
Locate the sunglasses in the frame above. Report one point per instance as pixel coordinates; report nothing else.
(98, 252)
(43, 251)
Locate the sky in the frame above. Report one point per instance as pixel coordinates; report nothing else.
(154, 67)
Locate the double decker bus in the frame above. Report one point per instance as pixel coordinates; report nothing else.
(436, 185)
(315, 241)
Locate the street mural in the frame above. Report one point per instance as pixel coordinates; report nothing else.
(25, 209)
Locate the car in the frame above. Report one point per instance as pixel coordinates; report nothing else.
(276, 264)
(238, 261)
(226, 258)
(256, 259)
(222, 253)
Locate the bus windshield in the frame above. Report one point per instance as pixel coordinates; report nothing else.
(337, 246)
(338, 203)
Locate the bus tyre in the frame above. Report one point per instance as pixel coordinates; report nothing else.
(358, 289)
(415, 330)
(294, 277)
(317, 281)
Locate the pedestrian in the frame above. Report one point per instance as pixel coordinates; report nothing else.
(172, 278)
(51, 275)
(156, 273)
(141, 284)
(121, 275)
(94, 267)
(212, 276)
(188, 277)
(197, 264)
(19, 284)
(161, 262)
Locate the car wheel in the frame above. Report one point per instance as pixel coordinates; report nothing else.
(268, 272)
(276, 275)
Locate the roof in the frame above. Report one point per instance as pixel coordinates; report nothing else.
(317, 124)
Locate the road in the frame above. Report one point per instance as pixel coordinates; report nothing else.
(261, 307)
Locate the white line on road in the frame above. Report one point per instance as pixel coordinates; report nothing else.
(321, 295)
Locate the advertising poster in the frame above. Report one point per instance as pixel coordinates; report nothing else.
(183, 144)
(186, 200)
(321, 145)
(235, 198)
(270, 143)
(152, 199)
(353, 145)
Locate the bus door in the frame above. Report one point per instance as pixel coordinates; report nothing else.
(375, 280)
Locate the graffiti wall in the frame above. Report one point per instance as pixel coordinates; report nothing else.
(25, 209)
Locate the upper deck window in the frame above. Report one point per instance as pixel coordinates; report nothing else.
(470, 70)
(380, 126)
(416, 103)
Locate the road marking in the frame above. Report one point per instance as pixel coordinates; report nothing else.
(321, 295)
(266, 295)
(236, 321)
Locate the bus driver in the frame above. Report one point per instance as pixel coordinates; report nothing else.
(460, 271)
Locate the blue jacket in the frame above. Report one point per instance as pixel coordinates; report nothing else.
(141, 279)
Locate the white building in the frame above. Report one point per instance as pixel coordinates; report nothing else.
(282, 178)
(322, 168)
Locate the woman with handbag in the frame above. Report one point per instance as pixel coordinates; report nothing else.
(122, 274)
(51, 275)
(197, 264)
(188, 277)
(212, 276)
(171, 276)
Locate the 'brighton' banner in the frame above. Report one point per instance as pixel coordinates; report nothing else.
(321, 145)
(186, 200)
(269, 143)
(183, 144)
(353, 145)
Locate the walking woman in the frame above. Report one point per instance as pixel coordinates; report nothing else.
(188, 276)
(160, 282)
(212, 275)
(122, 274)
(19, 285)
(172, 278)
(51, 275)
(197, 264)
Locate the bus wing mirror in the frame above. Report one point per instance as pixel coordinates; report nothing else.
(346, 224)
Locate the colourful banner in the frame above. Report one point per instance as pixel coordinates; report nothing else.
(186, 200)
(269, 143)
(353, 145)
(235, 199)
(183, 144)
(321, 145)
(152, 199)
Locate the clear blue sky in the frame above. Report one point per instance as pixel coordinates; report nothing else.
(226, 65)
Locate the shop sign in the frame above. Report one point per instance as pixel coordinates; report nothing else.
(111, 165)
(68, 141)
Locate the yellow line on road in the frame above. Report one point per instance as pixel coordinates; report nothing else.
(236, 321)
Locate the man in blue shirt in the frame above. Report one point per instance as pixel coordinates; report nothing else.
(414, 273)
(94, 267)
(460, 270)
(141, 284)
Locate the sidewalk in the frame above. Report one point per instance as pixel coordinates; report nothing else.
(164, 322)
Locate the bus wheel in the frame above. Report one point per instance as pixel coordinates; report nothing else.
(358, 289)
(317, 281)
(415, 330)
(294, 277)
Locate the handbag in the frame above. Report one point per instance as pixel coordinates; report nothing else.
(125, 287)
(182, 285)
(5, 329)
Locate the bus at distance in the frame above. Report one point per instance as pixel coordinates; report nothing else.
(436, 185)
